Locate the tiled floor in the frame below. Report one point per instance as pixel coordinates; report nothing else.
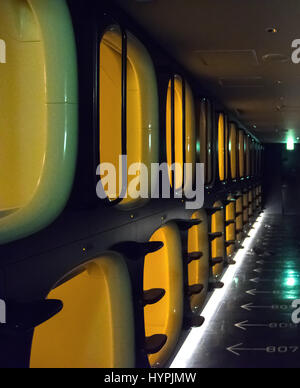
(253, 326)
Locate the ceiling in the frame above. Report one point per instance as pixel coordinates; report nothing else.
(223, 43)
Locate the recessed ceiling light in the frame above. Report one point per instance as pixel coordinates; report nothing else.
(271, 30)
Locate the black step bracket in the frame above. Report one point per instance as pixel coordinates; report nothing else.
(227, 202)
(216, 260)
(193, 321)
(27, 316)
(193, 256)
(155, 343)
(231, 261)
(134, 250)
(185, 225)
(213, 236)
(194, 290)
(229, 222)
(211, 211)
(229, 243)
(237, 196)
(215, 285)
(153, 296)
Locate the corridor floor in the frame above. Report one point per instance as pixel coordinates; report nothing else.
(253, 327)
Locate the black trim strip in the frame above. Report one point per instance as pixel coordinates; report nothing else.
(124, 92)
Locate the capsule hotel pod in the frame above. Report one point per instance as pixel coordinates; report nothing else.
(38, 115)
(230, 226)
(204, 138)
(180, 132)
(218, 239)
(222, 148)
(164, 270)
(128, 117)
(254, 207)
(245, 208)
(233, 151)
(198, 270)
(247, 155)
(241, 152)
(239, 223)
(95, 328)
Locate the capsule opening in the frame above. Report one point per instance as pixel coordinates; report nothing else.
(130, 132)
(233, 151)
(226, 139)
(180, 132)
(250, 201)
(247, 155)
(38, 115)
(95, 329)
(241, 148)
(239, 225)
(254, 207)
(198, 270)
(164, 270)
(218, 244)
(221, 147)
(204, 138)
(230, 228)
(246, 208)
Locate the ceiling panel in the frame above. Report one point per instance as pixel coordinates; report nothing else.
(224, 44)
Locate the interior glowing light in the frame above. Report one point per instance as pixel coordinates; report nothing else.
(290, 145)
(290, 282)
(191, 345)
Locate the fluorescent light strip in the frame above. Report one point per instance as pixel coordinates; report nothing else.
(185, 355)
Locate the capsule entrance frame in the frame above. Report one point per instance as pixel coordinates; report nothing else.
(250, 201)
(227, 164)
(204, 138)
(164, 270)
(38, 120)
(199, 270)
(218, 244)
(95, 329)
(241, 150)
(247, 155)
(254, 207)
(239, 224)
(180, 131)
(222, 137)
(230, 229)
(245, 208)
(128, 116)
(233, 150)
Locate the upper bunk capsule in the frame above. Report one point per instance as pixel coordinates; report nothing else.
(241, 153)
(223, 147)
(180, 131)
(38, 119)
(128, 115)
(233, 151)
(204, 139)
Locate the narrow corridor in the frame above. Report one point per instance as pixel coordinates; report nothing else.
(253, 326)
